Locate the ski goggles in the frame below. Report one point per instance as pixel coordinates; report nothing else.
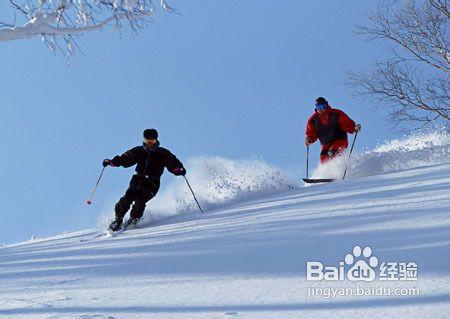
(321, 107)
(150, 140)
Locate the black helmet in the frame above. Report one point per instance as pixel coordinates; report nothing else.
(321, 100)
(150, 133)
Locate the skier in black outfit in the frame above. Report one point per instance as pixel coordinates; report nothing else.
(151, 160)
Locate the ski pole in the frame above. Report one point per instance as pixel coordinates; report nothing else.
(351, 150)
(307, 161)
(89, 201)
(195, 198)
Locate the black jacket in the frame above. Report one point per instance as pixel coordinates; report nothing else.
(150, 163)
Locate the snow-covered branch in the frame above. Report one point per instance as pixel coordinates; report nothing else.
(63, 20)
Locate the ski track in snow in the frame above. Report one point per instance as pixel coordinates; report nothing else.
(246, 260)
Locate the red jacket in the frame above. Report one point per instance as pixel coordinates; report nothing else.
(331, 127)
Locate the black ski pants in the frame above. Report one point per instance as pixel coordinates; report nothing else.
(140, 191)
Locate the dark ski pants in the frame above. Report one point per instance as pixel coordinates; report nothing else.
(137, 197)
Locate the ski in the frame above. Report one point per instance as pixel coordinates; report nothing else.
(113, 233)
(108, 233)
(318, 180)
(104, 234)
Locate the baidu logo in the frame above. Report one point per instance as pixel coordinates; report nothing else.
(361, 269)
(361, 265)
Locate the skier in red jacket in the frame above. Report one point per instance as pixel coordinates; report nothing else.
(330, 126)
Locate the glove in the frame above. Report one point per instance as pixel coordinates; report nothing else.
(107, 162)
(307, 143)
(358, 127)
(179, 171)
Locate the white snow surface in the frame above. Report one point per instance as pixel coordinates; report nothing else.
(246, 257)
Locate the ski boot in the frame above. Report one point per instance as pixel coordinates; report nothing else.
(116, 224)
(132, 222)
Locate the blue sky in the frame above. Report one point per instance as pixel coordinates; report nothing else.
(236, 79)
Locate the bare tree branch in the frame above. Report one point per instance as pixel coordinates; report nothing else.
(421, 30)
(413, 84)
(17, 7)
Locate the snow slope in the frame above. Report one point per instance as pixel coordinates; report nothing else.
(246, 258)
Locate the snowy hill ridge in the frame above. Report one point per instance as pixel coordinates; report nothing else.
(247, 257)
